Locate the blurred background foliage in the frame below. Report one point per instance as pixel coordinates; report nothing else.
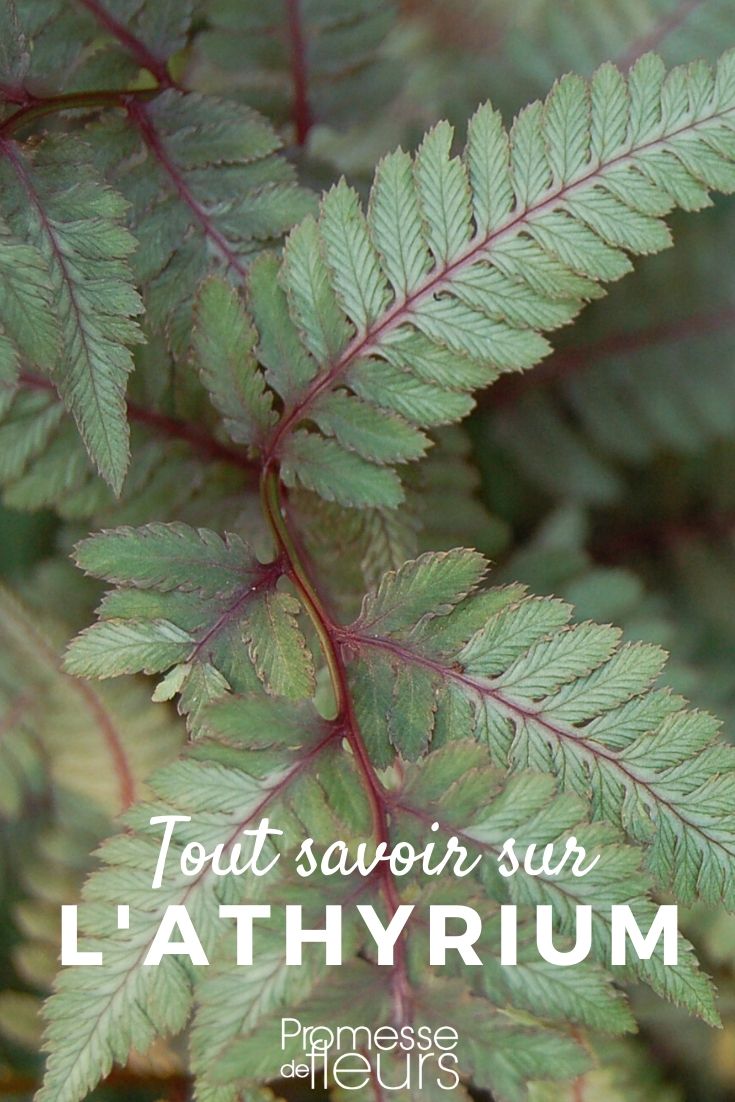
(606, 476)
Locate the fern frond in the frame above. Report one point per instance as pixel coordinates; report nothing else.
(187, 603)
(441, 789)
(664, 583)
(574, 35)
(624, 1074)
(180, 468)
(569, 701)
(224, 344)
(514, 53)
(541, 695)
(73, 224)
(26, 303)
(461, 262)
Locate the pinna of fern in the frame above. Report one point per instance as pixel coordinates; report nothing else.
(461, 263)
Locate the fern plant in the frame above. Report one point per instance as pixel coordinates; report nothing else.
(270, 552)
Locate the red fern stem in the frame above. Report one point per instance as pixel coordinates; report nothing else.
(329, 635)
(37, 107)
(302, 117)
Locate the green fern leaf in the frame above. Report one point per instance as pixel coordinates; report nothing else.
(337, 474)
(224, 342)
(112, 729)
(150, 647)
(189, 600)
(74, 223)
(9, 366)
(26, 300)
(567, 701)
(375, 435)
(167, 557)
(277, 647)
(482, 252)
(288, 366)
(60, 48)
